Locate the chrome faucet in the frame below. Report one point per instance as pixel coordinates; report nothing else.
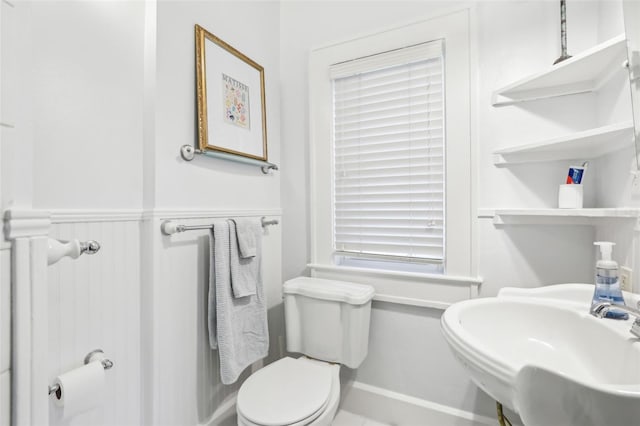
(599, 310)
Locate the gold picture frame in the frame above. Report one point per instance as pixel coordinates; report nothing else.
(232, 118)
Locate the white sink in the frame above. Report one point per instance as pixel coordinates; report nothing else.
(524, 341)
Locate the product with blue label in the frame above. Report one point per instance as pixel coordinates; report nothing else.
(576, 174)
(607, 284)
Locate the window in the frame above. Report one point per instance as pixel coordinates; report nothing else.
(388, 152)
(391, 153)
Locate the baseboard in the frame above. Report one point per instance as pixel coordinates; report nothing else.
(380, 405)
(225, 414)
(398, 409)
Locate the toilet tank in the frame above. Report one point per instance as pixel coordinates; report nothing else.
(327, 319)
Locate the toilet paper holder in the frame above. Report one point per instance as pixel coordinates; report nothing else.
(90, 357)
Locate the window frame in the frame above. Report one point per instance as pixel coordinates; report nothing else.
(455, 29)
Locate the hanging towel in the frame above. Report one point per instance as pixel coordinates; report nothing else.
(247, 232)
(245, 271)
(218, 273)
(237, 326)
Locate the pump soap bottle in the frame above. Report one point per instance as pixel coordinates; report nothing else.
(607, 284)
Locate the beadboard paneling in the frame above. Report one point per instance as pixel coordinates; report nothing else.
(5, 309)
(187, 384)
(94, 302)
(5, 334)
(5, 398)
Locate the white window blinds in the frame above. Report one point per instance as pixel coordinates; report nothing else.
(389, 155)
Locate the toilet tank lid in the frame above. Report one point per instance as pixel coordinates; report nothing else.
(340, 291)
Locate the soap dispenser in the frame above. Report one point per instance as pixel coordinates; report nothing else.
(607, 284)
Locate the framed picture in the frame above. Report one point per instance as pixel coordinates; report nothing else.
(232, 116)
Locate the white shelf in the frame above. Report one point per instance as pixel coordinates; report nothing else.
(583, 145)
(585, 72)
(558, 216)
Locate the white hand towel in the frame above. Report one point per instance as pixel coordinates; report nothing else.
(245, 272)
(246, 234)
(237, 326)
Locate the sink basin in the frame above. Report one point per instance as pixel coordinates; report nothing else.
(524, 340)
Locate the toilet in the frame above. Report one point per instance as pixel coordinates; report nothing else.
(327, 322)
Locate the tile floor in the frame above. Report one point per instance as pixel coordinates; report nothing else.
(345, 418)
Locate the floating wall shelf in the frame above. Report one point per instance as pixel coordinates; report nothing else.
(583, 73)
(584, 145)
(557, 216)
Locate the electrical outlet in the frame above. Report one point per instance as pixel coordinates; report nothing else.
(626, 282)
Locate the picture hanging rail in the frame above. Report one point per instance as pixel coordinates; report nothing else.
(188, 153)
(232, 118)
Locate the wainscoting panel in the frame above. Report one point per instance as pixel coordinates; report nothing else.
(5, 334)
(94, 302)
(187, 385)
(5, 308)
(5, 398)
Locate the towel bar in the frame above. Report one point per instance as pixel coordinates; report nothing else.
(169, 228)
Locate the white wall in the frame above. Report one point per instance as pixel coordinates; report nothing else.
(396, 361)
(513, 39)
(250, 27)
(175, 278)
(5, 334)
(15, 164)
(530, 255)
(104, 95)
(16, 105)
(5, 279)
(87, 68)
(75, 95)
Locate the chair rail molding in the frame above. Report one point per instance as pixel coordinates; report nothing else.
(23, 223)
(27, 230)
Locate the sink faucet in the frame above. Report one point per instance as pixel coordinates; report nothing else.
(600, 310)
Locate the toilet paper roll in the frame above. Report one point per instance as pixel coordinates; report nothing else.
(81, 389)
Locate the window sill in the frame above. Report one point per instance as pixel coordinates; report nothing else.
(405, 288)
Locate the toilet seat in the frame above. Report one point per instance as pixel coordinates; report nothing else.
(289, 392)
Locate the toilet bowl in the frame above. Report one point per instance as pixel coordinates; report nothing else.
(290, 392)
(328, 322)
